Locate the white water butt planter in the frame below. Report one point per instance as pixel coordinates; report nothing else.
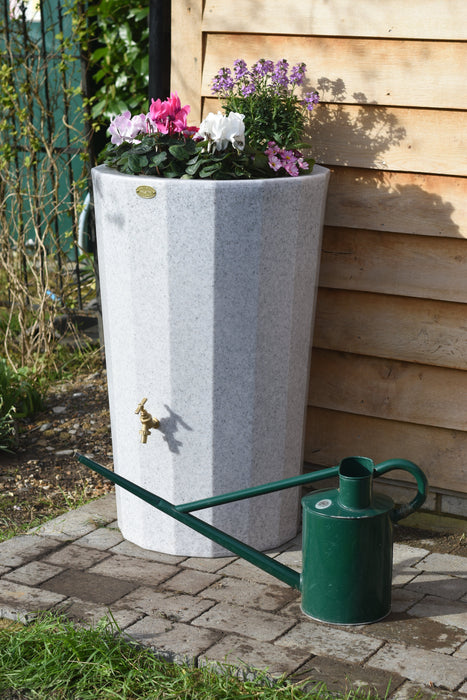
(208, 296)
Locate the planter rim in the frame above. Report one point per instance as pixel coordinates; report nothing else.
(318, 170)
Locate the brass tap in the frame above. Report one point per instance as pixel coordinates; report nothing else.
(147, 421)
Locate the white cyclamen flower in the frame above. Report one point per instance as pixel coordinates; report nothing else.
(220, 130)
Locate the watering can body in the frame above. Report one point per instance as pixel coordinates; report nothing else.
(347, 545)
(347, 558)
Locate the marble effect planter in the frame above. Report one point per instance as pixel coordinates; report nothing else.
(208, 293)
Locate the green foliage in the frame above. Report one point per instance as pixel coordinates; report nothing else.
(269, 117)
(120, 61)
(178, 156)
(19, 397)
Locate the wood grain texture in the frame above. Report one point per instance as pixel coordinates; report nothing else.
(429, 205)
(418, 19)
(361, 71)
(399, 328)
(394, 263)
(332, 435)
(389, 389)
(187, 45)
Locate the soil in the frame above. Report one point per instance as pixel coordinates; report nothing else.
(43, 478)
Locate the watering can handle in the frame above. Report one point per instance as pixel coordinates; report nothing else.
(420, 478)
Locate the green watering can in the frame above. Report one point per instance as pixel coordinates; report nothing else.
(347, 536)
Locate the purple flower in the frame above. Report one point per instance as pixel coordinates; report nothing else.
(262, 68)
(223, 81)
(297, 74)
(311, 99)
(240, 68)
(280, 76)
(247, 89)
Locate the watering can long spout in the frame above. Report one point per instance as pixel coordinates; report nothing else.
(250, 554)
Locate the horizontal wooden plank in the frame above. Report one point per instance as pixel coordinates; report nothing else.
(428, 205)
(390, 389)
(361, 71)
(394, 263)
(332, 435)
(399, 328)
(413, 140)
(418, 19)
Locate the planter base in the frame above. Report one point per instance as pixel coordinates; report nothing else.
(208, 294)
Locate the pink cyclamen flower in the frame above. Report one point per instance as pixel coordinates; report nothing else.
(126, 128)
(169, 117)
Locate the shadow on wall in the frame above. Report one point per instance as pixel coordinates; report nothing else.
(353, 141)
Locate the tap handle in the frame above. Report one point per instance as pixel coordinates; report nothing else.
(141, 406)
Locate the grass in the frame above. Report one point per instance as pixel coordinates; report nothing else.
(52, 659)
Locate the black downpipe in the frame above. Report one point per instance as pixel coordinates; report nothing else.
(159, 49)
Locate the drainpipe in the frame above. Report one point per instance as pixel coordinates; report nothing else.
(159, 49)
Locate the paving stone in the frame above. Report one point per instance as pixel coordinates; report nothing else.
(252, 594)
(17, 600)
(325, 640)
(424, 633)
(294, 610)
(91, 613)
(256, 624)
(462, 651)
(138, 571)
(173, 641)
(421, 666)
(413, 691)
(23, 548)
(240, 651)
(191, 581)
(403, 599)
(87, 586)
(343, 677)
(132, 550)
(69, 526)
(450, 587)
(4, 570)
(179, 608)
(445, 611)
(246, 571)
(403, 554)
(102, 509)
(33, 573)
(102, 538)
(74, 557)
(444, 564)
(209, 565)
(292, 558)
(463, 690)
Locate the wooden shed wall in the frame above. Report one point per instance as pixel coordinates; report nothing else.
(389, 365)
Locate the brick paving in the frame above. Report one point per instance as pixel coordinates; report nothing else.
(225, 611)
